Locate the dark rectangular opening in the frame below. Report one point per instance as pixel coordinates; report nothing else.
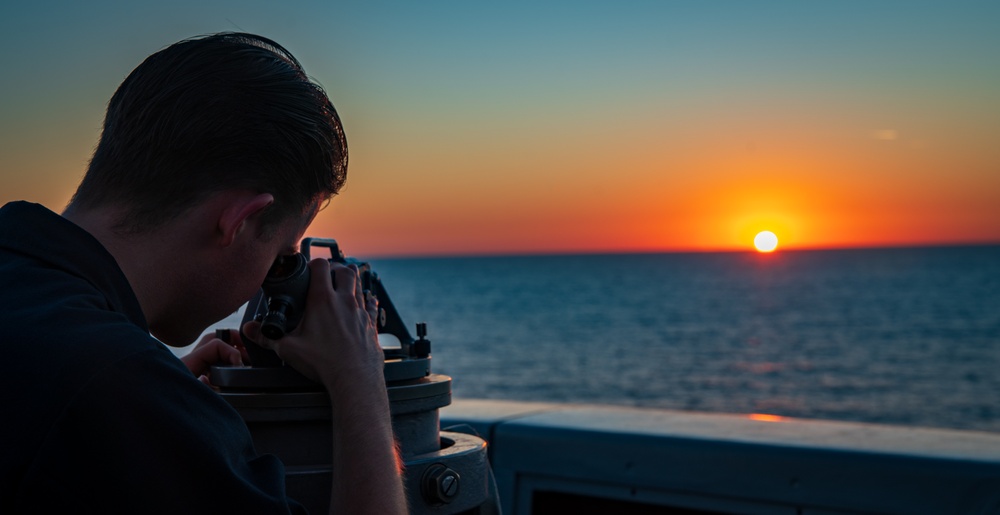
(558, 503)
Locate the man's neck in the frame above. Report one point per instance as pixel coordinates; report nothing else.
(151, 261)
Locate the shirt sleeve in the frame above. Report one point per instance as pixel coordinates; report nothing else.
(145, 436)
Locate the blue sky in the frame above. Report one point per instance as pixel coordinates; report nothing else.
(572, 111)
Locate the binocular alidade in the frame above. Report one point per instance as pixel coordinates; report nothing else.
(289, 416)
(285, 286)
(282, 300)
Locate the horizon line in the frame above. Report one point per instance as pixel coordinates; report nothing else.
(638, 251)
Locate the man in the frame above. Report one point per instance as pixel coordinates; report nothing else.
(216, 154)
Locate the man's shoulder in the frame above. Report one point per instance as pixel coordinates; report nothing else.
(48, 263)
(59, 321)
(61, 334)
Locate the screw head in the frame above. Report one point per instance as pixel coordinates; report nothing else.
(440, 484)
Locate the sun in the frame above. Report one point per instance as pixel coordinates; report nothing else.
(765, 241)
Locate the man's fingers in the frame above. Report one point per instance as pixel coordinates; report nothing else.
(207, 337)
(212, 352)
(237, 341)
(359, 297)
(346, 282)
(320, 285)
(252, 331)
(371, 306)
(219, 351)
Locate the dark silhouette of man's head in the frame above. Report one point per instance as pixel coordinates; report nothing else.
(213, 113)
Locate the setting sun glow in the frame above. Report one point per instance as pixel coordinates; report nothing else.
(765, 241)
(829, 126)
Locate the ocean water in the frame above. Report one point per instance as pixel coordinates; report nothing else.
(898, 336)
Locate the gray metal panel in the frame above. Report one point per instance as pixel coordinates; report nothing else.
(807, 464)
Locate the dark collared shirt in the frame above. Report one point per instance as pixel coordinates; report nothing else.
(98, 416)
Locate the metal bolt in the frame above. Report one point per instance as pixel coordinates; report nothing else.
(449, 485)
(440, 484)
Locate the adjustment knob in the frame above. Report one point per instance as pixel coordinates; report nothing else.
(421, 348)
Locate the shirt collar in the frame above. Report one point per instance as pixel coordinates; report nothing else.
(33, 230)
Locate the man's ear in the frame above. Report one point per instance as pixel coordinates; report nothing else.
(241, 210)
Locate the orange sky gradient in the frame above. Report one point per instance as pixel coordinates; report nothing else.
(711, 186)
(580, 127)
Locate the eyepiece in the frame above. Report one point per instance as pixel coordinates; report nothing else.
(285, 267)
(285, 288)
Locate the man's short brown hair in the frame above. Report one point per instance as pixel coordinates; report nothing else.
(223, 111)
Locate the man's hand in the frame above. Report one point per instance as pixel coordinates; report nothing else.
(336, 343)
(213, 351)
